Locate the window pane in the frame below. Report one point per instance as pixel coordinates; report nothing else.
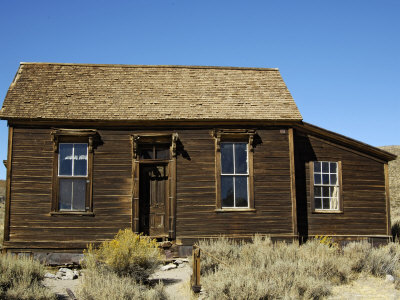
(162, 152)
(65, 197)
(241, 191)
(227, 191)
(79, 194)
(241, 158)
(325, 204)
(333, 167)
(80, 159)
(317, 178)
(317, 191)
(325, 178)
(334, 203)
(146, 153)
(227, 158)
(334, 191)
(325, 167)
(333, 179)
(317, 167)
(317, 203)
(325, 191)
(65, 159)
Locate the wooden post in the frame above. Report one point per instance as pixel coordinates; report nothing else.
(195, 280)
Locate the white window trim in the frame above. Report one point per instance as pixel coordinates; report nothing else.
(240, 175)
(337, 185)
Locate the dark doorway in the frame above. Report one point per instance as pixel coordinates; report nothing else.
(153, 193)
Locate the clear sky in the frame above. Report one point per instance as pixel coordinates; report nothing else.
(340, 59)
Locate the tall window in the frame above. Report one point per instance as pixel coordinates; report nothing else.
(234, 175)
(326, 186)
(72, 176)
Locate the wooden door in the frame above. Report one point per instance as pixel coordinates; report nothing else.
(153, 194)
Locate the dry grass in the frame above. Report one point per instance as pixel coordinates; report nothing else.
(265, 270)
(117, 269)
(20, 278)
(106, 285)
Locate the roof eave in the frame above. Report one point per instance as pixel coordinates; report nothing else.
(360, 146)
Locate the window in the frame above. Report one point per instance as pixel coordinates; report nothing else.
(72, 176)
(234, 170)
(158, 151)
(234, 175)
(72, 170)
(326, 187)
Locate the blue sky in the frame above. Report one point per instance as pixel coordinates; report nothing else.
(340, 59)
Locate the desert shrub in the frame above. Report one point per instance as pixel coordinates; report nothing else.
(221, 248)
(265, 270)
(128, 254)
(20, 278)
(106, 285)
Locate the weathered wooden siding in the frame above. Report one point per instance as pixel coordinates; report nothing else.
(31, 224)
(363, 182)
(196, 199)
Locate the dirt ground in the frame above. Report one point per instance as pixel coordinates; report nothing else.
(59, 286)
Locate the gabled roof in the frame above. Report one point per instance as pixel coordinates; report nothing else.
(50, 91)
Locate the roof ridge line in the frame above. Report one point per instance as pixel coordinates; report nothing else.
(152, 66)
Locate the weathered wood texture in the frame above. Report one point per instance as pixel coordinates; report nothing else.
(363, 183)
(32, 226)
(196, 201)
(30, 220)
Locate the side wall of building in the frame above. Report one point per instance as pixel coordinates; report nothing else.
(363, 184)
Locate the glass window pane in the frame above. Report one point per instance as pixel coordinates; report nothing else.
(146, 153)
(79, 194)
(325, 167)
(325, 203)
(325, 178)
(317, 178)
(325, 191)
(317, 167)
(317, 191)
(80, 159)
(65, 159)
(162, 152)
(241, 191)
(334, 203)
(227, 191)
(241, 158)
(334, 191)
(317, 203)
(227, 158)
(333, 179)
(65, 194)
(333, 167)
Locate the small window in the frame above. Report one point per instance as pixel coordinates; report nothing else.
(234, 175)
(158, 151)
(72, 176)
(326, 187)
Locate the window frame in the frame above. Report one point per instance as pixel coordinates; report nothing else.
(71, 136)
(234, 136)
(340, 189)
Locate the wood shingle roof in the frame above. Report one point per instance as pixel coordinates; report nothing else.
(51, 91)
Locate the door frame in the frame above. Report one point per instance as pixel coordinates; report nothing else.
(154, 138)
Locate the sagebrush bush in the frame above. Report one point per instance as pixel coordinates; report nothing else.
(265, 270)
(20, 278)
(106, 285)
(128, 254)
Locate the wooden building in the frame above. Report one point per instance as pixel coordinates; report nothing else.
(178, 153)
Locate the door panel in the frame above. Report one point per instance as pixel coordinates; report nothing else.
(153, 199)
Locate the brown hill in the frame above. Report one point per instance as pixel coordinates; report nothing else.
(394, 182)
(2, 188)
